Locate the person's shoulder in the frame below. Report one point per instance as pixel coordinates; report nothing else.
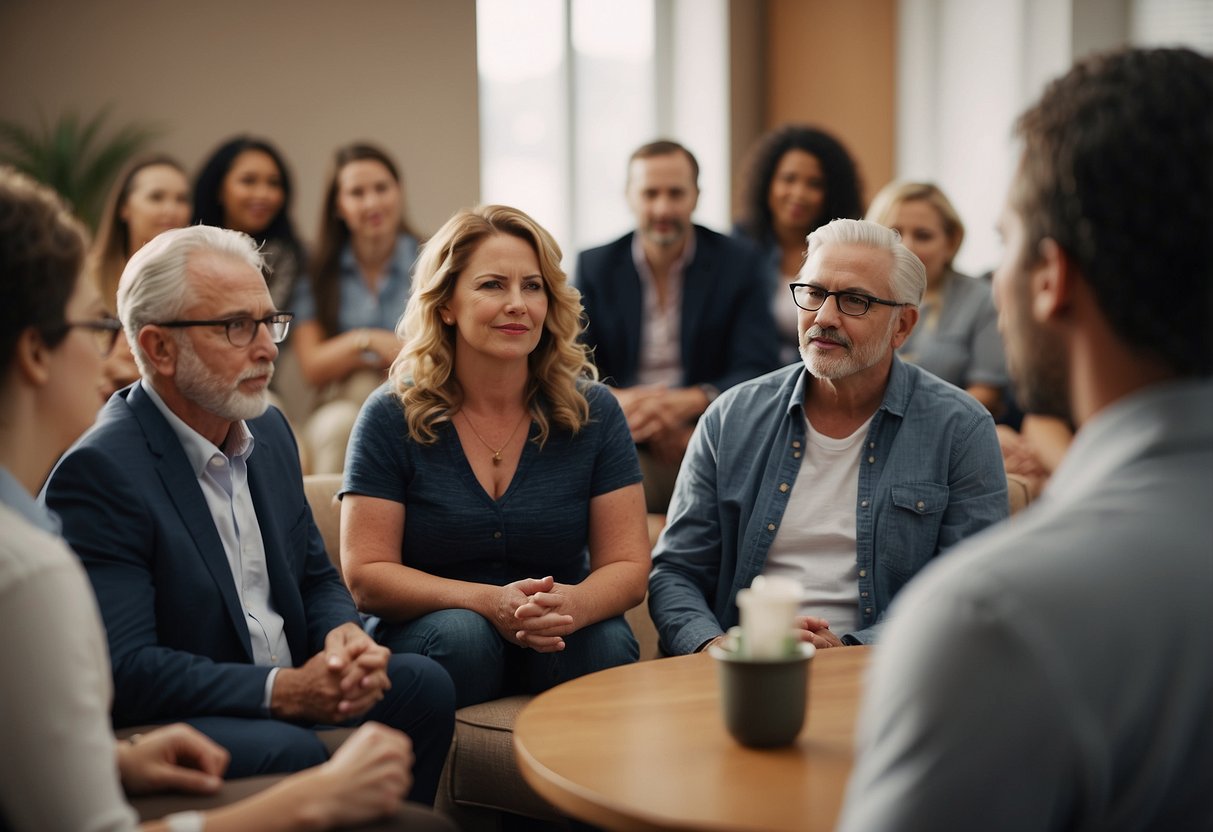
(930, 391)
(598, 255)
(735, 244)
(27, 552)
(769, 391)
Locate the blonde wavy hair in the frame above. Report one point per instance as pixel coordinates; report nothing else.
(423, 375)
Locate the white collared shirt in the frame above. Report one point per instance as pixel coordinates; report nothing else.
(223, 477)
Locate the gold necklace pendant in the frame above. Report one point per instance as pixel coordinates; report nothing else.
(496, 451)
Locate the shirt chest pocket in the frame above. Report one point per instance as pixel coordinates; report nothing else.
(909, 534)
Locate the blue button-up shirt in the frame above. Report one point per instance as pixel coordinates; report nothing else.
(931, 474)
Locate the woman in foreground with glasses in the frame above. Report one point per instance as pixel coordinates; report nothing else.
(957, 334)
(152, 196)
(493, 515)
(358, 285)
(61, 767)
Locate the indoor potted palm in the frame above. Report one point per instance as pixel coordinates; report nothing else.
(72, 155)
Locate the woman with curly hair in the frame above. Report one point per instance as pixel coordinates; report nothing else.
(798, 178)
(492, 511)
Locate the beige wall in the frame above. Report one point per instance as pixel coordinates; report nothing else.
(307, 74)
(831, 64)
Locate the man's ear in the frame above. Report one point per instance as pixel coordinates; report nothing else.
(1052, 282)
(907, 319)
(31, 357)
(159, 348)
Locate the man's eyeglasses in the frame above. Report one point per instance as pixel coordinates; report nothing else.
(810, 298)
(104, 331)
(242, 330)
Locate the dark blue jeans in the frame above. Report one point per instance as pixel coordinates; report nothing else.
(485, 666)
(421, 703)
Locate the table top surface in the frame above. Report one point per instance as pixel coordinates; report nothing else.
(644, 747)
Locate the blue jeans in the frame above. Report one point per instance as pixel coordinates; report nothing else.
(485, 666)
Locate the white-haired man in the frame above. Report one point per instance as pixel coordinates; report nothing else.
(847, 474)
(185, 503)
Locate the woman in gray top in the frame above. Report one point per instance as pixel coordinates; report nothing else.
(957, 333)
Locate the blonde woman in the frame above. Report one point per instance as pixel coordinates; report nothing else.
(493, 515)
(957, 333)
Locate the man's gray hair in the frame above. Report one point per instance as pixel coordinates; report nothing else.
(909, 278)
(153, 287)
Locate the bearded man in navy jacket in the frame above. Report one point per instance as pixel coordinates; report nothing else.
(186, 504)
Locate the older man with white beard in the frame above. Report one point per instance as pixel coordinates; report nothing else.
(847, 474)
(185, 502)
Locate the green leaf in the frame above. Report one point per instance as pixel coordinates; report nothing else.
(75, 155)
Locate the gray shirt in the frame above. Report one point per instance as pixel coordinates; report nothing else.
(1056, 672)
(959, 341)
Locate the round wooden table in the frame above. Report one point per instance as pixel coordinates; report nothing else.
(644, 747)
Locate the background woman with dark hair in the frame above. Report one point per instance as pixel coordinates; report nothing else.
(346, 313)
(797, 179)
(245, 186)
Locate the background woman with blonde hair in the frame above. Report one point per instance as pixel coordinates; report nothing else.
(493, 515)
(957, 333)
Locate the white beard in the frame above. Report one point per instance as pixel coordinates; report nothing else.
(200, 386)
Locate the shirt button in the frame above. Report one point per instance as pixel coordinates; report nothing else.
(496, 535)
(795, 454)
(871, 444)
(921, 505)
(864, 504)
(871, 459)
(867, 610)
(216, 462)
(274, 659)
(783, 488)
(770, 527)
(863, 573)
(796, 443)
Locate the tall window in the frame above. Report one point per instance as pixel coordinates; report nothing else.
(569, 89)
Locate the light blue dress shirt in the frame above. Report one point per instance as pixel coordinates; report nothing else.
(360, 309)
(223, 477)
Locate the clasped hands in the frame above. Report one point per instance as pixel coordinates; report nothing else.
(536, 613)
(815, 631)
(341, 682)
(661, 417)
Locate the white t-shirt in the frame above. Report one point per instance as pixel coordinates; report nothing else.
(815, 544)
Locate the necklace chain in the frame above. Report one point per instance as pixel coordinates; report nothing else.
(496, 451)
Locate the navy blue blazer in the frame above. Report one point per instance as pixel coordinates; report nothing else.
(728, 332)
(134, 512)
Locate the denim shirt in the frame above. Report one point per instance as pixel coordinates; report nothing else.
(931, 475)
